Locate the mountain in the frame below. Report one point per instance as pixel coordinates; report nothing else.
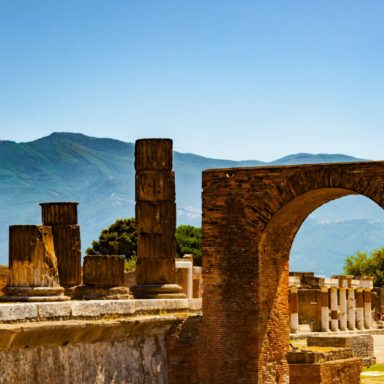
(99, 174)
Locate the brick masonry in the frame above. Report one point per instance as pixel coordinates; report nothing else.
(250, 219)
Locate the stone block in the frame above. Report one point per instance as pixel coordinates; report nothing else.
(156, 246)
(156, 217)
(32, 259)
(153, 154)
(67, 244)
(158, 270)
(155, 186)
(103, 270)
(59, 213)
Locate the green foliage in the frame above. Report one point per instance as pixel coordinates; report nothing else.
(362, 264)
(188, 241)
(130, 264)
(121, 239)
(118, 239)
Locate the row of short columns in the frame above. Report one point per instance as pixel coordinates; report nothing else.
(345, 304)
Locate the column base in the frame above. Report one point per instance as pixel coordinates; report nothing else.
(158, 291)
(86, 292)
(34, 294)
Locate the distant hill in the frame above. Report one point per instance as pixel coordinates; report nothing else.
(99, 174)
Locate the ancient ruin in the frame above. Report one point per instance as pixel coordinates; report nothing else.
(155, 220)
(250, 301)
(250, 218)
(62, 218)
(334, 304)
(33, 274)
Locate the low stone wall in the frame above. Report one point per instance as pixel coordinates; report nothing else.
(361, 345)
(330, 372)
(109, 341)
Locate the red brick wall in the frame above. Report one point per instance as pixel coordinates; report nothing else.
(250, 219)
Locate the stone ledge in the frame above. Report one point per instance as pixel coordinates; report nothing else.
(94, 309)
(61, 333)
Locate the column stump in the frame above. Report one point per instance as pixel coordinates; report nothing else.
(33, 274)
(103, 278)
(62, 217)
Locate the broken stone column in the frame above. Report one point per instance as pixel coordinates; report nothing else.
(367, 309)
(103, 277)
(62, 217)
(294, 309)
(33, 274)
(155, 220)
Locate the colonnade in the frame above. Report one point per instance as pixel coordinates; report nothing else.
(340, 303)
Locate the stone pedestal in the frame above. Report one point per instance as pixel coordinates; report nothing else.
(62, 217)
(103, 277)
(33, 274)
(155, 220)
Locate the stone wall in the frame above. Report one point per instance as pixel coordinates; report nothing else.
(110, 341)
(339, 371)
(361, 345)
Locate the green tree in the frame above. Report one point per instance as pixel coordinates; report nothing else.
(188, 241)
(121, 238)
(118, 239)
(362, 264)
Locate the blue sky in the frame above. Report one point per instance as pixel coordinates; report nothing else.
(227, 79)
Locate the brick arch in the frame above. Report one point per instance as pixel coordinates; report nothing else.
(250, 219)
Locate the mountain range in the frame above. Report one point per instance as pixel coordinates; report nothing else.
(98, 173)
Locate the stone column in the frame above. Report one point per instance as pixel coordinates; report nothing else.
(351, 309)
(343, 309)
(294, 309)
(324, 310)
(367, 309)
(62, 217)
(359, 309)
(33, 274)
(103, 277)
(334, 310)
(155, 220)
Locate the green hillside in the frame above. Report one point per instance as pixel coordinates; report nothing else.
(99, 174)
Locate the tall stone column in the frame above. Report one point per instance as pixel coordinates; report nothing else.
(33, 274)
(367, 309)
(294, 309)
(155, 220)
(324, 310)
(343, 309)
(359, 309)
(62, 217)
(351, 309)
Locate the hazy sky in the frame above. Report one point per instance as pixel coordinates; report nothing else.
(233, 79)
